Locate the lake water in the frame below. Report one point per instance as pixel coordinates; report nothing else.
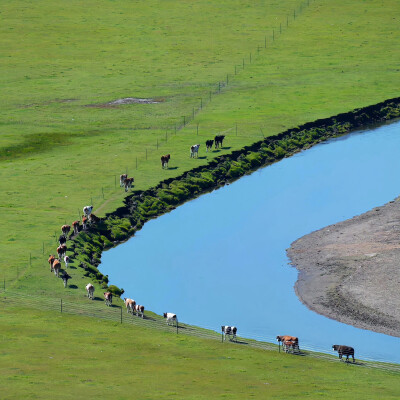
(221, 259)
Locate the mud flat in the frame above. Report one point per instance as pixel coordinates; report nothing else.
(350, 271)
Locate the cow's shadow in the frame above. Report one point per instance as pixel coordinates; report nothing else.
(73, 286)
(202, 158)
(172, 168)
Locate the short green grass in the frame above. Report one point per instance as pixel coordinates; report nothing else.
(81, 357)
(61, 149)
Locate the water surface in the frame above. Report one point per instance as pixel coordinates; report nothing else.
(221, 259)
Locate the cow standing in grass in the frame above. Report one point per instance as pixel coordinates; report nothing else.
(51, 261)
(194, 151)
(65, 229)
(344, 351)
(139, 310)
(122, 179)
(219, 140)
(209, 144)
(289, 342)
(56, 267)
(229, 331)
(65, 277)
(108, 298)
(87, 210)
(171, 318)
(75, 227)
(90, 291)
(130, 305)
(165, 160)
(128, 183)
(84, 222)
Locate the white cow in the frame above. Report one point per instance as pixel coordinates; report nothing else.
(229, 331)
(66, 260)
(194, 150)
(87, 210)
(130, 305)
(171, 318)
(90, 291)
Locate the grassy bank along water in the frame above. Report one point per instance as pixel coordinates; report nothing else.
(141, 206)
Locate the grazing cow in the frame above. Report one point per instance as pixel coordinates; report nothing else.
(62, 240)
(171, 318)
(65, 229)
(209, 144)
(108, 298)
(139, 310)
(61, 250)
(130, 305)
(87, 210)
(122, 179)
(344, 351)
(75, 227)
(128, 183)
(289, 342)
(51, 261)
(230, 331)
(218, 140)
(65, 278)
(56, 267)
(66, 261)
(90, 291)
(194, 150)
(93, 219)
(84, 222)
(165, 160)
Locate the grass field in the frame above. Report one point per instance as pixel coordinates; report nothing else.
(62, 146)
(76, 357)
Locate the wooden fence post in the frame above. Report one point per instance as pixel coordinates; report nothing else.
(61, 305)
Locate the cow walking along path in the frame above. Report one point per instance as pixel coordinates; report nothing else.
(115, 313)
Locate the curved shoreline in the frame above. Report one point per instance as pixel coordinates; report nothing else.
(142, 206)
(349, 271)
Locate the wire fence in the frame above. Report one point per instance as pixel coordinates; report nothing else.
(118, 314)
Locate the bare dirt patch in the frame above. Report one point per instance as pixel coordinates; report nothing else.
(350, 271)
(127, 100)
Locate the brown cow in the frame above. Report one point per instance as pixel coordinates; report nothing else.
(289, 342)
(56, 267)
(165, 160)
(344, 351)
(61, 250)
(108, 298)
(84, 222)
(75, 227)
(65, 229)
(51, 261)
(93, 219)
(128, 183)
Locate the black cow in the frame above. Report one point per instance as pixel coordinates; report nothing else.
(209, 144)
(218, 140)
(62, 239)
(165, 160)
(65, 278)
(344, 351)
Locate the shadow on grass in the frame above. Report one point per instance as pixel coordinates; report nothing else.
(73, 286)
(173, 167)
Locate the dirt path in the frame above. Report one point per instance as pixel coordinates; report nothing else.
(350, 271)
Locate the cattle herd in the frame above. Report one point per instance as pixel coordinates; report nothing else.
(289, 343)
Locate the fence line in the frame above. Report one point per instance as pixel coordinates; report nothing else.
(118, 314)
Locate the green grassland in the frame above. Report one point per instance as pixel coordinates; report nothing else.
(265, 65)
(76, 357)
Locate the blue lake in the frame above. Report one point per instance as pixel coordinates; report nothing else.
(221, 259)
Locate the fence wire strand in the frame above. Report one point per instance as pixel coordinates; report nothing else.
(119, 315)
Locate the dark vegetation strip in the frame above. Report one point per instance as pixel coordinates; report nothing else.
(142, 206)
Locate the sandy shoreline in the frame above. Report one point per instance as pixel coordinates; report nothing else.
(350, 271)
